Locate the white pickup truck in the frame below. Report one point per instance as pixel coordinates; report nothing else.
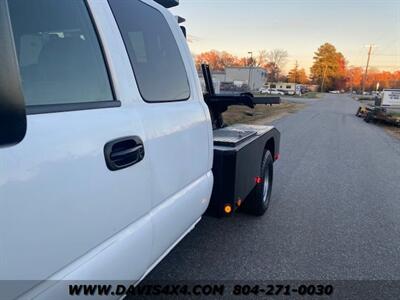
(108, 148)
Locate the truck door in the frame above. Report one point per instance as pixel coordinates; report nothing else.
(175, 118)
(74, 194)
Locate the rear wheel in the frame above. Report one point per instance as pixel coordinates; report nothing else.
(259, 200)
(368, 117)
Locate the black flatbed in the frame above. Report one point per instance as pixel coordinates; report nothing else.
(238, 153)
(238, 150)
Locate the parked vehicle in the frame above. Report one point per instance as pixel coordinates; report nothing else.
(304, 90)
(276, 92)
(376, 94)
(110, 153)
(386, 109)
(334, 92)
(286, 92)
(283, 91)
(264, 91)
(271, 91)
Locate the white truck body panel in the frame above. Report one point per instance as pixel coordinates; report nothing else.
(67, 193)
(391, 98)
(65, 216)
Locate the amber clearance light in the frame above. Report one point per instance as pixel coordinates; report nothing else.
(228, 209)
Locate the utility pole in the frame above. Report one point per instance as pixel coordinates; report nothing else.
(351, 79)
(323, 78)
(351, 83)
(296, 68)
(366, 68)
(250, 68)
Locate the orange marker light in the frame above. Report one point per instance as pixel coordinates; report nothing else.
(228, 209)
(258, 180)
(239, 202)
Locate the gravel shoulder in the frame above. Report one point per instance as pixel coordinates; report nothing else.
(392, 130)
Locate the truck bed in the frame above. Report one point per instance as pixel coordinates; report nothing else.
(238, 153)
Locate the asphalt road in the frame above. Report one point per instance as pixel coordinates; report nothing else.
(335, 210)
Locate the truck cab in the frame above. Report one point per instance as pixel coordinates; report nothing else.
(106, 142)
(115, 164)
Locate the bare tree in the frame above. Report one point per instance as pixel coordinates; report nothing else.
(262, 58)
(277, 58)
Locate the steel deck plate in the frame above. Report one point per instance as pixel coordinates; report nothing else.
(231, 136)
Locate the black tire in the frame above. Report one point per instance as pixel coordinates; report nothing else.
(368, 118)
(258, 202)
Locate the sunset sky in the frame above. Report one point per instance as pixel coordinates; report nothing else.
(298, 26)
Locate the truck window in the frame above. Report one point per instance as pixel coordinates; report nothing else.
(153, 52)
(59, 55)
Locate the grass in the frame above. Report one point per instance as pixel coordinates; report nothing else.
(310, 95)
(364, 98)
(261, 114)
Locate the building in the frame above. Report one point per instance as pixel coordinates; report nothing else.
(292, 88)
(217, 77)
(253, 77)
(237, 79)
(286, 87)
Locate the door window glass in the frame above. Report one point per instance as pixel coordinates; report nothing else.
(153, 52)
(59, 55)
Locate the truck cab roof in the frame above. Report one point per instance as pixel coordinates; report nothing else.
(168, 3)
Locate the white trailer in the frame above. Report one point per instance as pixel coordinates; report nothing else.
(386, 109)
(391, 98)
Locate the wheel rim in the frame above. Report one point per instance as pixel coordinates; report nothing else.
(266, 185)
